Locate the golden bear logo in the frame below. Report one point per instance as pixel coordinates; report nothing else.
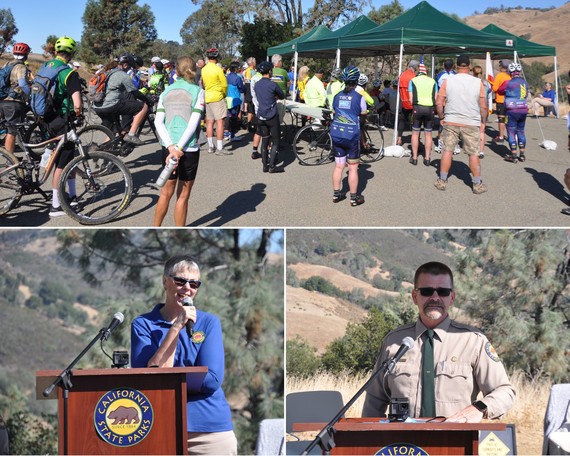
(123, 417)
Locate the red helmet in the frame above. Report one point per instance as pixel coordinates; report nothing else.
(21, 49)
(212, 53)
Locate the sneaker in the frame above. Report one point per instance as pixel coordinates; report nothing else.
(338, 196)
(73, 201)
(255, 155)
(133, 139)
(522, 158)
(413, 161)
(512, 158)
(440, 184)
(56, 211)
(227, 135)
(383, 128)
(265, 168)
(224, 152)
(427, 162)
(211, 150)
(276, 169)
(457, 150)
(439, 146)
(356, 200)
(498, 139)
(479, 188)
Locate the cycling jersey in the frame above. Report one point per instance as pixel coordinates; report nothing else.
(347, 107)
(369, 100)
(515, 92)
(215, 83)
(422, 89)
(235, 90)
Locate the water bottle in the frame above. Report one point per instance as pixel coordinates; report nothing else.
(45, 157)
(166, 172)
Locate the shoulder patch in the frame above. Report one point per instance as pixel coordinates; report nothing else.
(491, 353)
(198, 337)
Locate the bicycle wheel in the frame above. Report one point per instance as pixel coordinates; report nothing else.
(372, 148)
(101, 197)
(36, 132)
(94, 137)
(312, 145)
(10, 187)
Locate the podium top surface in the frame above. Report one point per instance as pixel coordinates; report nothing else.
(376, 424)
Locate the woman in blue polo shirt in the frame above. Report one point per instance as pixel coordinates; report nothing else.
(159, 339)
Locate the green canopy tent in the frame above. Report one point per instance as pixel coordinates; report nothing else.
(290, 47)
(330, 44)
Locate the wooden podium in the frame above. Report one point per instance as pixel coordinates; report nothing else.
(369, 435)
(123, 411)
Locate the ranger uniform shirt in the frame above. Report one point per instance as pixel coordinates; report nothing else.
(465, 364)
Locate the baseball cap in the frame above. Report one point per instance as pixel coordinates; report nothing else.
(76, 64)
(463, 60)
(422, 69)
(505, 63)
(155, 59)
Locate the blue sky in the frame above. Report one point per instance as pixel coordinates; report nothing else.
(36, 19)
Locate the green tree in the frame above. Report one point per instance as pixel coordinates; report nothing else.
(7, 29)
(112, 27)
(358, 349)
(241, 287)
(49, 46)
(335, 12)
(216, 24)
(514, 285)
(260, 35)
(302, 359)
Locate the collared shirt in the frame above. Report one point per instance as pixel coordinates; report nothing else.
(215, 82)
(465, 364)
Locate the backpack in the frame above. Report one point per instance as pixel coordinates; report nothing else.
(5, 86)
(97, 86)
(42, 92)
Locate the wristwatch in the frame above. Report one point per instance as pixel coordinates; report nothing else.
(481, 406)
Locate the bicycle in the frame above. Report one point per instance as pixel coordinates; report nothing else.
(313, 143)
(103, 182)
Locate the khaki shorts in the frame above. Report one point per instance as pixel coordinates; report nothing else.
(470, 136)
(216, 110)
(221, 443)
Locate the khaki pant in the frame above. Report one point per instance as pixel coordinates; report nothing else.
(207, 443)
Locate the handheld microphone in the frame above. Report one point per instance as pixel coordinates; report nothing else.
(187, 301)
(407, 343)
(117, 320)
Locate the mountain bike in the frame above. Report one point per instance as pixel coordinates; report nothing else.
(313, 144)
(103, 182)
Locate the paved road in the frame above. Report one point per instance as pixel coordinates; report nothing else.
(233, 191)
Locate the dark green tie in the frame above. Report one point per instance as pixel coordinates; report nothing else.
(428, 377)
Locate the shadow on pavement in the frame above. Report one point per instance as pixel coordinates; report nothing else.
(234, 206)
(549, 184)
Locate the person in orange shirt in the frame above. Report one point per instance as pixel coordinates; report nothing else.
(501, 77)
(403, 84)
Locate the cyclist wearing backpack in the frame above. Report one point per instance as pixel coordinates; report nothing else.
(67, 99)
(14, 91)
(123, 99)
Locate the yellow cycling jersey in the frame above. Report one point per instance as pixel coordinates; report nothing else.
(215, 82)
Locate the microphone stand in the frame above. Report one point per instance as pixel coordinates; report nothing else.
(325, 438)
(64, 381)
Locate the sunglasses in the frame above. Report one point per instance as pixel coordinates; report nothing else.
(181, 281)
(428, 291)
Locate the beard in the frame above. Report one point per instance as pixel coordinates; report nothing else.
(434, 310)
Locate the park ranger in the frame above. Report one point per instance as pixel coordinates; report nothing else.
(449, 365)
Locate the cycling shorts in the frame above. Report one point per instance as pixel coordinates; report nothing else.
(423, 115)
(501, 111)
(58, 126)
(13, 112)
(349, 148)
(186, 169)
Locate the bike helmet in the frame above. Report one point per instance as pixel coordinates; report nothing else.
(515, 68)
(234, 66)
(350, 74)
(376, 83)
(264, 67)
(336, 73)
(65, 44)
(138, 60)
(127, 58)
(363, 80)
(212, 53)
(21, 49)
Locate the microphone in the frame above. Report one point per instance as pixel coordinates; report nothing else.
(117, 320)
(407, 343)
(187, 301)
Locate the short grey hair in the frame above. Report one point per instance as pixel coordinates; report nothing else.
(251, 61)
(180, 262)
(414, 64)
(276, 59)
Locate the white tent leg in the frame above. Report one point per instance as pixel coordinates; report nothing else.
(556, 88)
(294, 91)
(398, 96)
(338, 58)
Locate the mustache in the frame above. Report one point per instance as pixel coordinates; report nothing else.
(432, 303)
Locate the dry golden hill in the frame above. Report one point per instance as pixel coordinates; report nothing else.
(318, 318)
(548, 28)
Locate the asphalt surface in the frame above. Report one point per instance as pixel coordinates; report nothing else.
(232, 191)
